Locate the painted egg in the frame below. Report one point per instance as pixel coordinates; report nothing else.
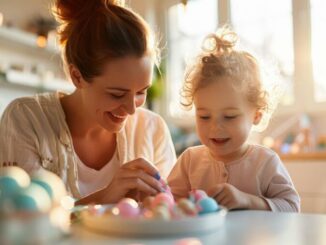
(12, 180)
(163, 198)
(177, 213)
(147, 202)
(32, 198)
(207, 205)
(187, 206)
(196, 194)
(127, 208)
(161, 212)
(52, 183)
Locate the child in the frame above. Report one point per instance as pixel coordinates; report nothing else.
(225, 87)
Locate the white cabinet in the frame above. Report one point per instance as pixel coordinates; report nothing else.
(309, 178)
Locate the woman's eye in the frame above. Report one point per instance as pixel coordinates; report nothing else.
(117, 96)
(142, 93)
(204, 117)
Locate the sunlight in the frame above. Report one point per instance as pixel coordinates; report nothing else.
(318, 19)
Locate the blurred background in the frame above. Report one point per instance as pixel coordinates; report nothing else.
(288, 37)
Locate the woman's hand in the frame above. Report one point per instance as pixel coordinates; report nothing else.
(135, 177)
(232, 198)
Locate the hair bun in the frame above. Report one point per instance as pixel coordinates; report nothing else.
(222, 41)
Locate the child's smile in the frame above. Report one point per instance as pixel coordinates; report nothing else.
(224, 118)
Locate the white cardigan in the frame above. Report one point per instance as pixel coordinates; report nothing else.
(34, 133)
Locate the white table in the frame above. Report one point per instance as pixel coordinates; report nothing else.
(241, 227)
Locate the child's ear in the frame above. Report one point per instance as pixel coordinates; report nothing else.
(257, 117)
(76, 77)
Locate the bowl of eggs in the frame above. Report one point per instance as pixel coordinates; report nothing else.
(156, 216)
(30, 207)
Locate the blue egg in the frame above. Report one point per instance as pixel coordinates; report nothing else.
(32, 198)
(12, 180)
(44, 185)
(207, 205)
(8, 186)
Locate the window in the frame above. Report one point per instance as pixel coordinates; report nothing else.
(276, 32)
(318, 52)
(265, 30)
(187, 28)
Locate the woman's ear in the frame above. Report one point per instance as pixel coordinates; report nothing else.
(76, 76)
(257, 117)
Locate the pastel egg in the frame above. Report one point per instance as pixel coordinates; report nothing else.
(197, 194)
(12, 180)
(177, 213)
(147, 202)
(32, 198)
(161, 212)
(127, 208)
(163, 198)
(207, 205)
(52, 183)
(187, 206)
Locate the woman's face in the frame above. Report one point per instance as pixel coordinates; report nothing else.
(114, 95)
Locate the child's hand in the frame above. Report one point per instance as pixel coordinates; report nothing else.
(229, 196)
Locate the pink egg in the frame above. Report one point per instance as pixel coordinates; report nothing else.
(127, 208)
(163, 198)
(196, 194)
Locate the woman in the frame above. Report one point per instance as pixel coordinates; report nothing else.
(96, 139)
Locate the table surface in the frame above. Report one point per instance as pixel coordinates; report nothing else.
(240, 227)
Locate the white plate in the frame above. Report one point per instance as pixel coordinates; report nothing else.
(147, 227)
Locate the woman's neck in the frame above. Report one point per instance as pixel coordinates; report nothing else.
(80, 125)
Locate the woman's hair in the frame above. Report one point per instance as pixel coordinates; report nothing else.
(219, 58)
(94, 32)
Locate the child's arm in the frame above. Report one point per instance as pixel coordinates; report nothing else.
(279, 191)
(229, 196)
(178, 178)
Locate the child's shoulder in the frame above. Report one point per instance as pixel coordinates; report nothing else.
(262, 151)
(195, 150)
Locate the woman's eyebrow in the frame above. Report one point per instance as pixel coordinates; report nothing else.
(124, 89)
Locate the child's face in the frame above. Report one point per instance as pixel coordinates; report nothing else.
(224, 119)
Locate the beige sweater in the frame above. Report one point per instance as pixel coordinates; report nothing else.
(259, 172)
(34, 133)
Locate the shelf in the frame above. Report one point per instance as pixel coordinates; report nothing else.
(56, 85)
(12, 36)
(305, 156)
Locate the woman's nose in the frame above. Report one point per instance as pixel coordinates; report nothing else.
(130, 105)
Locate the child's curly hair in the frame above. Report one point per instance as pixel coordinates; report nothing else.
(219, 58)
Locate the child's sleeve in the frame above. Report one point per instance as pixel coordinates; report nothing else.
(280, 193)
(178, 178)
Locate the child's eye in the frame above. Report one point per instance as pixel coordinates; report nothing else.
(230, 117)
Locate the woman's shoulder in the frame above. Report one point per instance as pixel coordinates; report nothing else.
(32, 102)
(38, 107)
